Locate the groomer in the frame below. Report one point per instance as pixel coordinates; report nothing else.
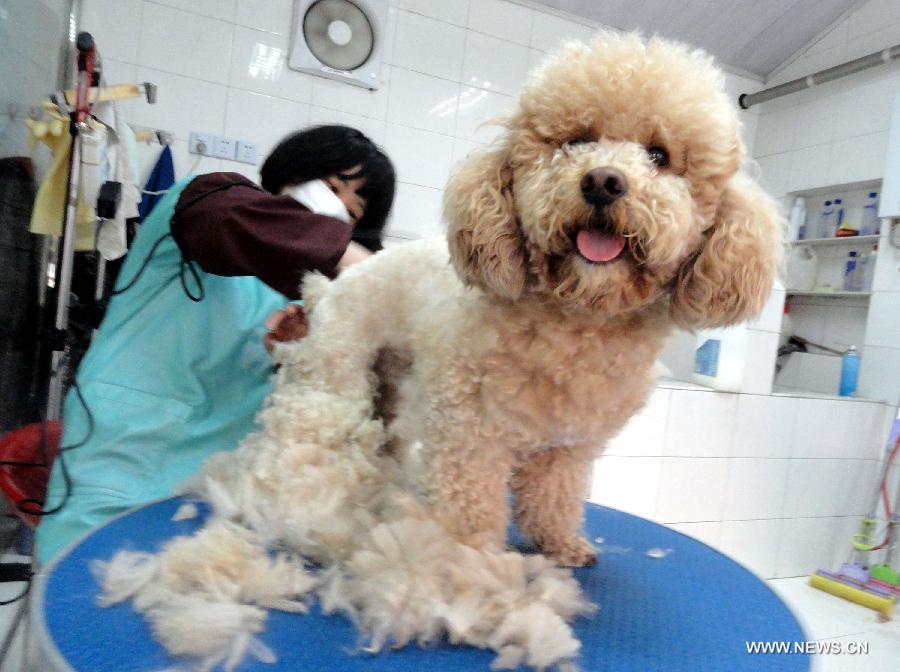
(178, 369)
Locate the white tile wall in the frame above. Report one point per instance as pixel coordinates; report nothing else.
(259, 64)
(267, 118)
(116, 24)
(494, 64)
(273, 16)
(207, 100)
(644, 435)
(776, 459)
(549, 31)
(429, 46)
(751, 542)
(882, 329)
(755, 489)
(217, 9)
(764, 426)
(451, 12)
(691, 489)
(183, 42)
(502, 19)
(422, 101)
(627, 483)
(805, 545)
(701, 424)
(421, 157)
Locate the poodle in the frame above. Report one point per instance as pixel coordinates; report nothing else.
(608, 212)
(441, 376)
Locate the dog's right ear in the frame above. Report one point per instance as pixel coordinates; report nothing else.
(485, 241)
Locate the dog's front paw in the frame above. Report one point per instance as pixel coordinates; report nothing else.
(576, 552)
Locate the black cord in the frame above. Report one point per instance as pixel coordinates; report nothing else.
(21, 504)
(188, 264)
(18, 597)
(143, 267)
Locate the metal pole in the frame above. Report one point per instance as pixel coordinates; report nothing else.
(64, 281)
(746, 100)
(78, 125)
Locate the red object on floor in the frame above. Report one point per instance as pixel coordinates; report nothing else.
(27, 482)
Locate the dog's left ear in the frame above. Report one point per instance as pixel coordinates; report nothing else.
(731, 276)
(486, 245)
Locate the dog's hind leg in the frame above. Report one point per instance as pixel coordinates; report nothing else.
(550, 488)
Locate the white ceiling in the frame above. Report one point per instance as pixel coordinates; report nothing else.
(752, 35)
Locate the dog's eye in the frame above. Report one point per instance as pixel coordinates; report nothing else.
(658, 155)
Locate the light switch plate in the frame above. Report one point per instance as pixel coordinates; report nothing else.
(247, 152)
(224, 148)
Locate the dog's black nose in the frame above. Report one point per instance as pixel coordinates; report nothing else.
(601, 186)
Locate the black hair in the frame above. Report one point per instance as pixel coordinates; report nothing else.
(320, 151)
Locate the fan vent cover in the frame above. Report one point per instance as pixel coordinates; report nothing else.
(339, 39)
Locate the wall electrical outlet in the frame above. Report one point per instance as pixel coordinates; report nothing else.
(201, 143)
(247, 152)
(221, 147)
(224, 148)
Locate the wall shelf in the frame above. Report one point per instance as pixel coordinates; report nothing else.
(834, 295)
(864, 185)
(848, 240)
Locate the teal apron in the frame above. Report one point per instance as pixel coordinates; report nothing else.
(168, 381)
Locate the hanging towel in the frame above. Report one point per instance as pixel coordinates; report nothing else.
(119, 165)
(161, 178)
(49, 204)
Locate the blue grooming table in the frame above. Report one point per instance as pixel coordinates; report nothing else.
(691, 610)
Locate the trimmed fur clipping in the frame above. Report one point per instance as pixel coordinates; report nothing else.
(321, 490)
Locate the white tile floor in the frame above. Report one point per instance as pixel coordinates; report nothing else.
(823, 616)
(826, 617)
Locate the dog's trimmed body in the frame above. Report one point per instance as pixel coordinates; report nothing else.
(500, 393)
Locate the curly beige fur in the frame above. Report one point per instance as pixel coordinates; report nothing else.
(504, 353)
(548, 355)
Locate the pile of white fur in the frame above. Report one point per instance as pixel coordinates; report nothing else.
(319, 491)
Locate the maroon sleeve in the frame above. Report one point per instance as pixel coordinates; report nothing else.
(230, 226)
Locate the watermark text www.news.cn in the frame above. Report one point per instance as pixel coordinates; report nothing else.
(812, 648)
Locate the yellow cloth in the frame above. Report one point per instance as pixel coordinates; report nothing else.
(49, 204)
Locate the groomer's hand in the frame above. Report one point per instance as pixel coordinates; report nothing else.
(355, 253)
(287, 324)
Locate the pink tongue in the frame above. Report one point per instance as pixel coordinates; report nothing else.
(598, 246)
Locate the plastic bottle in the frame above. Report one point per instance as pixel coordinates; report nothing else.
(850, 271)
(797, 229)
(720, 358)
(870, 222)
(849, 372)
(838, 216)
(826, 216)
(868, 274)
(859, 275)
